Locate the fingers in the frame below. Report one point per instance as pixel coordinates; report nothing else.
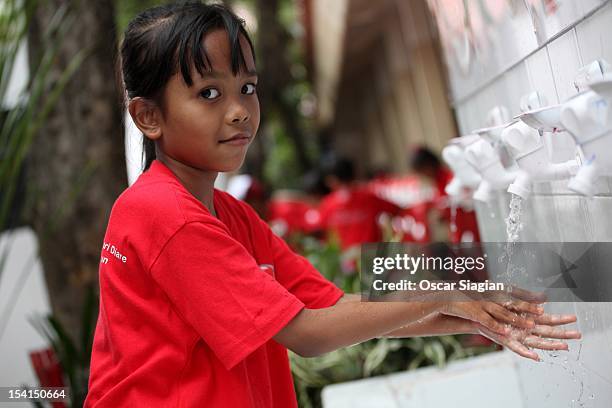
(555, 320)
(524, 307)
(522, 350)
(521, 306)
(475, 312)
(527, 295)
(544, 344)
(556, 333)
(503, 314)
(492, 324)
(512, 344)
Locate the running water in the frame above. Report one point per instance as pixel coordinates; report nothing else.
(513, 229)
(513, 222)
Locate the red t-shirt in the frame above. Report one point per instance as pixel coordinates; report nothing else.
(189, 303)
(352, 213)
(293, 215)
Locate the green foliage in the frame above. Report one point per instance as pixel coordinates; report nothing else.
(280, 169)
(73, 355)
(342, 268)
(17, 130)
(128, 9)
(21, 122)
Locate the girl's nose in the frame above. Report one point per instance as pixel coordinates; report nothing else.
(238, 113)
(241, 118)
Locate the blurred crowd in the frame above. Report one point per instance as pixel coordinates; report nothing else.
(335, 204)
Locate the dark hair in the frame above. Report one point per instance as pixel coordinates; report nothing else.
(423, 158)
(313, 182)
(163, 39)
(344, 170)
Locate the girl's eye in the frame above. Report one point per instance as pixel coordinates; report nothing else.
(249, 89)
(210, 93)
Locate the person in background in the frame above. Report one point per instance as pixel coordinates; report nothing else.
(427, 164)
(462, 224)
(350, 211)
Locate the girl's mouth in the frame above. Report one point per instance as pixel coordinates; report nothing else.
(238, 139)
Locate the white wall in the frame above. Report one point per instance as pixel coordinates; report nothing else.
(535, 51)
(23, 295)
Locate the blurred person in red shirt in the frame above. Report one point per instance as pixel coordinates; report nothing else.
(427, 164)
(351, 210)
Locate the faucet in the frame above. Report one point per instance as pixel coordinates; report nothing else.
(485, 159)
(588, 117)
(527, 148)
(464, 175)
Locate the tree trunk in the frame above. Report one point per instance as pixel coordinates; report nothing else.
(275, 74)
(76, 167)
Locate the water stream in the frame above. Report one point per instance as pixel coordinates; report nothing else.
(514, 227)
(513, 221)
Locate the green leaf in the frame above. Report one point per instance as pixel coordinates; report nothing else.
(375, 357)
(434, 351)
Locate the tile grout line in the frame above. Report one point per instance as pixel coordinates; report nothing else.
(545, 44)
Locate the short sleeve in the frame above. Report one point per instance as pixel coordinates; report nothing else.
(384, 206)
(300, 277)
(217, 287)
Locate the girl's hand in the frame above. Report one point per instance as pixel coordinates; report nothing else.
(492, 309)
(489, 315)
(538, 337)
(516, 307)
(519, 300)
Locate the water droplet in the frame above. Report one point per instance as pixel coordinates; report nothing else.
(513, 221)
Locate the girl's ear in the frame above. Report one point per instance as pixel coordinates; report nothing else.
(147, 117)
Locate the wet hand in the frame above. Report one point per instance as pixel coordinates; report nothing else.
(496, 310)
(545, 335)
(490, 315)
(517, 300)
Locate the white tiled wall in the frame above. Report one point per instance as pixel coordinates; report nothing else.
(540, 75)
(595, 36)
(518, 64)
(547, 60)
(565, 61)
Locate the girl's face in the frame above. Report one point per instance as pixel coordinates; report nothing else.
(210, 125)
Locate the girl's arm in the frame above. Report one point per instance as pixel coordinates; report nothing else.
(436, 324)
(317, 331)
(519, 341)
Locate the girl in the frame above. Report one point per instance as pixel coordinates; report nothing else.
(203, 301)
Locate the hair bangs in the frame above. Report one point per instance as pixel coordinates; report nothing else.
(191, 50)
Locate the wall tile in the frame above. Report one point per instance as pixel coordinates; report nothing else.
(495, 46)
(595, 34)
(587, 6)
(548, 24)
(565, 62)
(517, 85)
(463, 120)
(540, 75)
